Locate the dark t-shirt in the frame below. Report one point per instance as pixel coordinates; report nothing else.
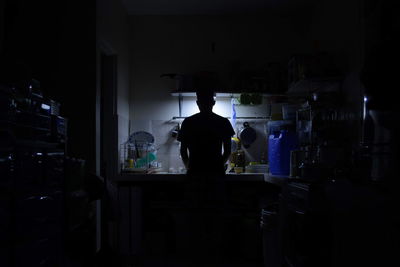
(203, 134)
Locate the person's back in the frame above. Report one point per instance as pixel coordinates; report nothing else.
(204, 135)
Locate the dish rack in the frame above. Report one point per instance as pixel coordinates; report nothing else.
(138, 157)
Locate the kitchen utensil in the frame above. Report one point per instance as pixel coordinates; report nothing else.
(144, 161)
(175, 132)
(257, 168)
(238, 170)
(234, 144)
(295, 159)
(247, 135)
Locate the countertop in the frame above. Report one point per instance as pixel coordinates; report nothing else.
(127, 177)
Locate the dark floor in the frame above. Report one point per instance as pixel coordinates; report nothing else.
(177, 263)
(165, 263)
(158, 258)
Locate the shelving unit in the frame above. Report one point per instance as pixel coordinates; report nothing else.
(32, 187)
(33, 179)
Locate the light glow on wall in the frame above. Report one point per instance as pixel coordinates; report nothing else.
(189, 106)
(222, 107)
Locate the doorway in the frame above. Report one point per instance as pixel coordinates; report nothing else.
(108, 85)
(106, 143)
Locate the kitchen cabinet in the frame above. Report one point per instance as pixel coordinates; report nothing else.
(152, 211)
(305, 227)
(336, 223)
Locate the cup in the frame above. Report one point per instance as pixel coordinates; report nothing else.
(238, 170)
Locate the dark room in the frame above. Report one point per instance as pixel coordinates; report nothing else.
(188, 133)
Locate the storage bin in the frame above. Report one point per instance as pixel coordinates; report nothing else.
(279, 146)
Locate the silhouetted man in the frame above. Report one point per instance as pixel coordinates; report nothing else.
(205, 148)
(202, 137)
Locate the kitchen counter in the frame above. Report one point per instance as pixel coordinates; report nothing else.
(141, 195)
(128, 178)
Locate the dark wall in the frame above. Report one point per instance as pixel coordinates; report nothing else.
(54, 43)
(2, 2)
(380, 72)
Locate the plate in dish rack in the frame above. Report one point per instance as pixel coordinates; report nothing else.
(141, 137)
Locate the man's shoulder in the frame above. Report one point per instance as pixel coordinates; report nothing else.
(198, 117)
(219, 119)
(191, 118)
(224, 123)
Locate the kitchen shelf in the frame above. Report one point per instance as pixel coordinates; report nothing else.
(238, 118)
(222, 94)
(193, 94)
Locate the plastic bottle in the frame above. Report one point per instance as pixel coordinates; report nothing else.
(240, 159)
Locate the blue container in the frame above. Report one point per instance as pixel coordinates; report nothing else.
(279, 146)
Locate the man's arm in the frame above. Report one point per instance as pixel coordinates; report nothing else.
(184, 154)
(227, 149)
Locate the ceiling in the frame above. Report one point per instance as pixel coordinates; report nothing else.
(208, 7)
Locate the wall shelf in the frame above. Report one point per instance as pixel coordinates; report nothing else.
(193, 94)
(238, 118)
(223, 94)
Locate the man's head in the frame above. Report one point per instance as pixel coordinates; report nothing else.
(205, 100)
